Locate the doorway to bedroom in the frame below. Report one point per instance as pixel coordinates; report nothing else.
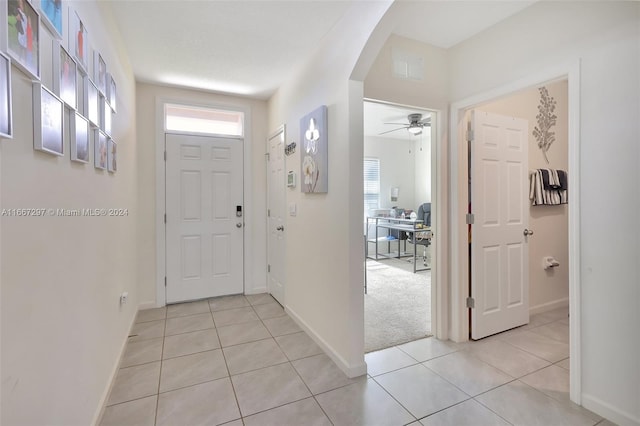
(397, 183)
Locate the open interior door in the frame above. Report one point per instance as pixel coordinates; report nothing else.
(500, 212)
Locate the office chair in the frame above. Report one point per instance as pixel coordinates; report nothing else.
(424, 214)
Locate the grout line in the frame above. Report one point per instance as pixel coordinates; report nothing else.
(155, 420)
(415, 418)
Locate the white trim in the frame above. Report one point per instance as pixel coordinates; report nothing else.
(97, 417)
(350, 370)
(161, 192)
(612, 413)
(549, 306)
(458, 250)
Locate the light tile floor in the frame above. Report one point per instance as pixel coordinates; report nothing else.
(240, 360)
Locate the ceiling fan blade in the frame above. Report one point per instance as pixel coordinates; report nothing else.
(389, 131)
(425, 121)
(399, 124)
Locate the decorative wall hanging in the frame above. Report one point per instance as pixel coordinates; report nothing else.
(6, 121)
(105, 116)
(100, 73)
(112, 92)
(112, 164)
(79, 41)
(48, 113)
(79, 137)
(23, 36)
(100, 150)
(52, 16)
(65, 85)
(314, 152)
(546, 120)
(91, 105)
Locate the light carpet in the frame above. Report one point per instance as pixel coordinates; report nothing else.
(397, 306)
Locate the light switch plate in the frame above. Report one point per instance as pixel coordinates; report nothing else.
(293, 209)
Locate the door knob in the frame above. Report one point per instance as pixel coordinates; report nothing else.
(239, 225)
(527, 232)
(280, 228)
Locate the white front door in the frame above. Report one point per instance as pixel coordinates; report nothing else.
(204, 180)
(276, 216)
(499, 203)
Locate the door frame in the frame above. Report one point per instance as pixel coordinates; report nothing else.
(459, 257)
(282, 129)
(247, 186)
(439, 291)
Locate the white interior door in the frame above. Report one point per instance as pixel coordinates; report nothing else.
(204, 181)
(276, 216)
(499, 203)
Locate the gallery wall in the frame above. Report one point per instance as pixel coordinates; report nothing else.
(63, 328)
(548, 288)
(148, 95)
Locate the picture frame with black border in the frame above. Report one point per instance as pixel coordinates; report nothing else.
(52, 16)
(6, 105)
(79, 137)
(65, 82)
(21, 37)
(91, 102)
(99, 149)
(112, 164)
(48, 118)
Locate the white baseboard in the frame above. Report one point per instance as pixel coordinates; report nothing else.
(255, 290)
(350, 370)
(97, 418)
(609, 412)
(549, 306)
(147, 305)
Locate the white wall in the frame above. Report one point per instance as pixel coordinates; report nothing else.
(604, 36)
(256, 136)
(397, 169)
(547, 288)
(324, 268)
(62, 327)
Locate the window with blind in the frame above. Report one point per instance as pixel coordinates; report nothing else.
(371, 184)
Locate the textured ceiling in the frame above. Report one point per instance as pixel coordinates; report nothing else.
(249, 47)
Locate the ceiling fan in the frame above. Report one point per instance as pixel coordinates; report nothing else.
(414, 126)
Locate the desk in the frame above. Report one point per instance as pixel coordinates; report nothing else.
(390, 223)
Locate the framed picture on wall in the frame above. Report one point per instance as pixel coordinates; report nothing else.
(314, 153)
(100, 150)
(52, 16)
(106, 116)
(112, 164)
(48, 115)
(100, 73)
(65, 85)
(91, 102)
(111, 92)
(79, 41)
(6, 119)
(23, 36)
(79, 137)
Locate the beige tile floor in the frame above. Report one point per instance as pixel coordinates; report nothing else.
(240, 360)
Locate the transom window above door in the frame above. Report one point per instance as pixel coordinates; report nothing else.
(209, 121)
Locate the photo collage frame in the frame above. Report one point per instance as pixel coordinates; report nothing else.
(82, 96)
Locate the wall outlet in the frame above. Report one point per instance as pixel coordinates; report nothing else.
(123, 298)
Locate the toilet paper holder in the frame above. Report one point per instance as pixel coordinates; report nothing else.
(549, 262)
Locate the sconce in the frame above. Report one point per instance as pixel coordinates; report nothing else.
(394, 194)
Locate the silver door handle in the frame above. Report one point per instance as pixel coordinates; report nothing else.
(280, 228)
(239, 225)
(527, 232)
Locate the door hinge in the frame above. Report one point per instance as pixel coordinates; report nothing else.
(471, 302)
(470, 218)
(267, 156)
(268, 212)
(469, 135)
(165, 218)
(165, 156)
(268, 268)
(165, 281)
